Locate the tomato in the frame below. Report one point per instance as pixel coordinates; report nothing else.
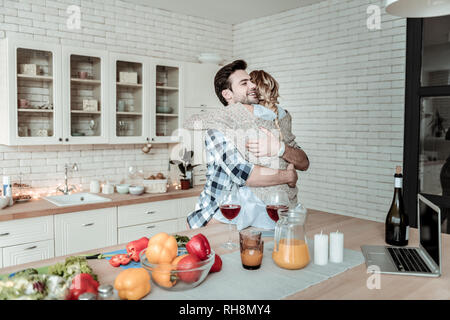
(189, 262)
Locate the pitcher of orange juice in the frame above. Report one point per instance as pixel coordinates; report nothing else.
(290, 247)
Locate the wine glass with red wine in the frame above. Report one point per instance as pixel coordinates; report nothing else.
(276, 200)
(230, 207)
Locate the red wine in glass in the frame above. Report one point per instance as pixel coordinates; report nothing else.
(272, 211)
(230, 211)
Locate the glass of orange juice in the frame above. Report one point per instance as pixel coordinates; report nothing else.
(252, 248)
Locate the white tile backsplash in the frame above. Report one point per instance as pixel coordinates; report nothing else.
(344, 86)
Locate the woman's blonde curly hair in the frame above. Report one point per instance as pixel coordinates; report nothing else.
(267, 88)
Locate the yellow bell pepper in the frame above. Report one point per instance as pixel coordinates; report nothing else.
(133, 284)
(162, 248)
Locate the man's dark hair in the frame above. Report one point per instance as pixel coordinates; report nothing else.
(221, 80)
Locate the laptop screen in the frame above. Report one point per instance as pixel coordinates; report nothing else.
(429, 228)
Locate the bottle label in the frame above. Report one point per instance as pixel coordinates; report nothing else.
(407, 233)
(398, 182)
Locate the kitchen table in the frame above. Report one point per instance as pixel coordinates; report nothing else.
(351, 284)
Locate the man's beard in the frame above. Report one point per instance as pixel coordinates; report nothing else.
(248, 99)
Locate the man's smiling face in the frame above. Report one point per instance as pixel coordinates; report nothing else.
(242, 89)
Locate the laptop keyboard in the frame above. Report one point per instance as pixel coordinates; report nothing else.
(407, 259)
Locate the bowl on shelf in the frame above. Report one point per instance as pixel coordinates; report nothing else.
(123, 188)
(167, 276)
(136, 190)
(161, 109)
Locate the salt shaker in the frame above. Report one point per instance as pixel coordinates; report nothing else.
(105, 292)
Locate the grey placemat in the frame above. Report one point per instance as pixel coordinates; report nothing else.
(267, 283)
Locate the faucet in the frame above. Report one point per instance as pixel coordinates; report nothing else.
(66, 189)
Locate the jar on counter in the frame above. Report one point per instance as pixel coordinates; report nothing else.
(290, 246)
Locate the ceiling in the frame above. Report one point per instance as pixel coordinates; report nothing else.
(228, 11)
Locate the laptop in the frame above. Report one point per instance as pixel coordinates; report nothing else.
(423, 261)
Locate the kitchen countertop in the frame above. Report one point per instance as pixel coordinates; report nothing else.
(42, 207)
(348, 285)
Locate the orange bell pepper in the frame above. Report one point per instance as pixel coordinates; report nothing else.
(163, 276)
(133, 284)
(162, 248)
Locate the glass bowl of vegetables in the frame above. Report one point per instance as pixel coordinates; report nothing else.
(184, 272)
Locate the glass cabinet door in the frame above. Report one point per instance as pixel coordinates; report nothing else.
(167, 102)
(85, 98)
(129, 99)
(35, 95)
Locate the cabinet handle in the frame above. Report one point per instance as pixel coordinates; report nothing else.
(88, 224)
(4, 234)
(67, 139)
(151, 212)
(150, 227)
(60, 139)
(31, 248)
(203, 105)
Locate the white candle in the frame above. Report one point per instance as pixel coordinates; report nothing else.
(336, 247)
(321, 249)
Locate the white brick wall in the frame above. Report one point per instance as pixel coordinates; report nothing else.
(344, 86)
(109, 25)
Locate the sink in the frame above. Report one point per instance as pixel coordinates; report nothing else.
(75, 199)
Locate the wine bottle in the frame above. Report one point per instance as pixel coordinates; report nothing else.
(397, 222)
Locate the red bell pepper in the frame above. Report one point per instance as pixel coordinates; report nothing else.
(135, 247)
(82, 283)
(217, 266)
(119, 259)
(199, 246)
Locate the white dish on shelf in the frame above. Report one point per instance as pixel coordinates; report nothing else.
(162, 109)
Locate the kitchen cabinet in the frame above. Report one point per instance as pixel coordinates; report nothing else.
(168, 100)
(31, 107)
(86, 103)
(81, 231)
(186, 206)
(22, 231)
(29, 252)
(26, 240)
(146, 219)
(199, 88)
(148, 230)
(130, 98)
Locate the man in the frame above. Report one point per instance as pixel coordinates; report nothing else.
(226, 166)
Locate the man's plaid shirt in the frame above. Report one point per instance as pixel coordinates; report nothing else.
(225, 166)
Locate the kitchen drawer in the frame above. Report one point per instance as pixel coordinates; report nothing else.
(147, 212)
(86, 230)
(26, 230)
(187, 205)
(182, 224)
(200, 170)
(29, 252)
(128, 234)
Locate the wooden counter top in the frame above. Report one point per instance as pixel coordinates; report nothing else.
(42, 207)
(350, 284)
